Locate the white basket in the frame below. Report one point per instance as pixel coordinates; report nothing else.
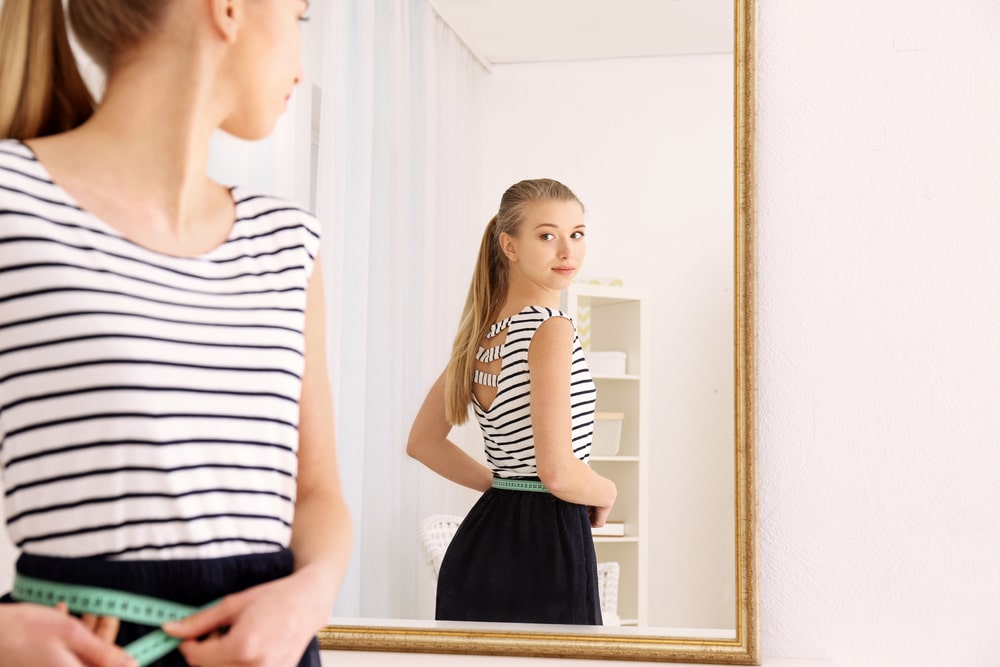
(607, 586)
(435, 534)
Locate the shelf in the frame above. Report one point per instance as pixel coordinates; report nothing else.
(615, 324)
(618, 540)
(629, 377)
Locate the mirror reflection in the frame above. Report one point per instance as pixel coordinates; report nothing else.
(434, 109)
(525, 551)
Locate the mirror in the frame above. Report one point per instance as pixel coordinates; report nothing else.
(418, 122)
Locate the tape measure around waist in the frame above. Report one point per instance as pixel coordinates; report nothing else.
(519, 485)
(131, 607)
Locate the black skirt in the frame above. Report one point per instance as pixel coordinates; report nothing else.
(189, 582)
(521, 557)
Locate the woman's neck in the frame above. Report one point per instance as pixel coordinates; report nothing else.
(520, 296)
(143, 156)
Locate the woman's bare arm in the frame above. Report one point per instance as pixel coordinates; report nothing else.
(550, 359)
(429, 444)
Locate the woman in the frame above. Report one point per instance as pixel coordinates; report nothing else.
(166, 422)
(525, 551)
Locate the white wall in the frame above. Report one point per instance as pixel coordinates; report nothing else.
(879, 313)
(646, 143)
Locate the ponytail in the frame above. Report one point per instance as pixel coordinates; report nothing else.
(488, 290)
(486, 295)
(41, 89)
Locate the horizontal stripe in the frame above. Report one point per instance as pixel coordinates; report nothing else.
(98, 500)
(105, 416)
(62, 289)
(240, 541)
(146, 362)
(141, 316)
(126, 469)
(145, 522)
(140, 443)
(33, 266)
(158, 339)
(112, 388)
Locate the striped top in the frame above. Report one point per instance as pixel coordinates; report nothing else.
(148, 403)
(506, 425)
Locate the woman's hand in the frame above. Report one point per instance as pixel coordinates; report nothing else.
(103, 627)
(269, 625)
(38, 636)
(598, 516)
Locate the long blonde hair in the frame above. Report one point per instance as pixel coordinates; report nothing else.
(41, 89)
(488, 290)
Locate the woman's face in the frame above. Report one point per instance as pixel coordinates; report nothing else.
(550, 244)
(266, 65)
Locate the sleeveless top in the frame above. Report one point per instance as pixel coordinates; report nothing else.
(506, 425)
(148, 403)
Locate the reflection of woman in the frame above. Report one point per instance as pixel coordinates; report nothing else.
(165, 416)
(525, 551)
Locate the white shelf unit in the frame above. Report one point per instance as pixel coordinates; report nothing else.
(616, 325)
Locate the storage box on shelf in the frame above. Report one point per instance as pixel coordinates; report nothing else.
(615, 353)
(607, 433)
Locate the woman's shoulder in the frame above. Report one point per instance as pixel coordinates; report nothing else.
(259, 214)
(541, 314)
(254, 204)
(531, 318)
(18, 162)
(25, 186)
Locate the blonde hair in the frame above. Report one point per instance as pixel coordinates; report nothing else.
(41, 89)
(488, 290)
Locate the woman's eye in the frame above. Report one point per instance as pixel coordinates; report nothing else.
(547, 236)
(577, 235)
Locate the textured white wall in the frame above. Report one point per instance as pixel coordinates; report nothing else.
(879, 158)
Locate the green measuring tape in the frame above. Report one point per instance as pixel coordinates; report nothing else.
(519, 485)
(141, 609)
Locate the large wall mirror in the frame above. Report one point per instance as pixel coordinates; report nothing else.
(417, 115)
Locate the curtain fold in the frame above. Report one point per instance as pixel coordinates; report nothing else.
(397, 193)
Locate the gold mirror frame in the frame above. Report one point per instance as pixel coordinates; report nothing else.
(744, 649)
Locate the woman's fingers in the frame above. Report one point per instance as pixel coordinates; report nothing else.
(103, 627)
(106, 628)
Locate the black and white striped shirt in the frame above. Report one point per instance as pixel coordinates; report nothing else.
(506, 425)
(148, 403)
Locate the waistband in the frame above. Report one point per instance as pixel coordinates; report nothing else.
(192, 582)
(519, 485)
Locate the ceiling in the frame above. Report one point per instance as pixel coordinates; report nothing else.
(519, 31)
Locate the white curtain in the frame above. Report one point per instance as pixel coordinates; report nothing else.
(397, 193)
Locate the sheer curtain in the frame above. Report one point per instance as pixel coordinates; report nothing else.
(397, 192)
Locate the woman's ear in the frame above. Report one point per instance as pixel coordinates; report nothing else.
(227, 15)
(508, 246)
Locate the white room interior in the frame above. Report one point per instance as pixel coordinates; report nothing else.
(878, 359)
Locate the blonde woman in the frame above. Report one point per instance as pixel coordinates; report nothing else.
(525, 552)
(165, 416)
